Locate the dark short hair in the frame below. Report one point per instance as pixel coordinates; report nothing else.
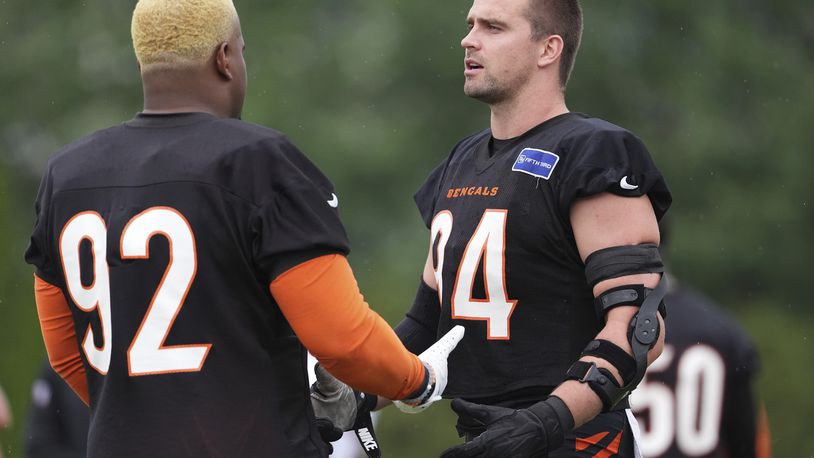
(558, 17)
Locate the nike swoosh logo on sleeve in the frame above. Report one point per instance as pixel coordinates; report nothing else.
(334, 202)
(625, 185)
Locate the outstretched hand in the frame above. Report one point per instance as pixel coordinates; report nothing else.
(435, 360)
(509, 432)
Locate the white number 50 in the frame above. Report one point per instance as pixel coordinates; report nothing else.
(691, 416)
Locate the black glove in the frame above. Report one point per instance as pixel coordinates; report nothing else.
(328, 432)
(516, 433)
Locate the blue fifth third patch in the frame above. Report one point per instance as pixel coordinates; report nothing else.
(536, 162)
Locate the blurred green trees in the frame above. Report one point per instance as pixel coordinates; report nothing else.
(722, 92)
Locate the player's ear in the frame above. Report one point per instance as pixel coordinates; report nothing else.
(222, 61)
(550, 50)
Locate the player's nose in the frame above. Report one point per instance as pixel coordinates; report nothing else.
(469, 40)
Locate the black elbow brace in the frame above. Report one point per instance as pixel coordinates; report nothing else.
(419, 328)
(620, 261)
(643, 334)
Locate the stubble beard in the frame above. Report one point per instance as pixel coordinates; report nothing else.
(493, 91)
(487, 91)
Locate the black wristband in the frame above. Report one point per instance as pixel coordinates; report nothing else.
(424, 390)
(368, 402)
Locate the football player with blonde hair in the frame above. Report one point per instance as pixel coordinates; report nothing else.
(190, 53)
(185, 35)
(186, 260)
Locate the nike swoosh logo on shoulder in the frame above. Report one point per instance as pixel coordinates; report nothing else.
(625, 185)
(334, 202)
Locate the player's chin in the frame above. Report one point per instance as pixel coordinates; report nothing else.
(478, 92)
(472, 89)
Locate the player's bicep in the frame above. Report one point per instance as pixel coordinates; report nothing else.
(605, 220)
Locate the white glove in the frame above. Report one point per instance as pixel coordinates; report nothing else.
(435, 360)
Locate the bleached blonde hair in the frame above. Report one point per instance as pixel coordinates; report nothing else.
(180, 33)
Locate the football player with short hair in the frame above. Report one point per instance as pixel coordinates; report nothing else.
(543, 245)
(185, 258)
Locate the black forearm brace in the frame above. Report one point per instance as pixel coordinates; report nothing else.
(419, 328)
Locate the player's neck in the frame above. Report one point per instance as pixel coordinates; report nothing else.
(520, 114)
(180, 94)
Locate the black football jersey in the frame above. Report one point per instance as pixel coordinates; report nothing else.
(164, 233)
(696, 399)
(506, 262)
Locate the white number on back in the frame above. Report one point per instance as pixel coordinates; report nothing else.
(690, 416)
(147, 353)
(91, 227)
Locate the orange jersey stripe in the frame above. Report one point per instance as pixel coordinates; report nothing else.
(59, 335)
(321, 300)
(583, 443)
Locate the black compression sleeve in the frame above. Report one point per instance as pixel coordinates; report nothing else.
(419, 328)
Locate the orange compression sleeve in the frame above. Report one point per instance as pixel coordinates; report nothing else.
(321, 300)
(59, 335)
(763, 436)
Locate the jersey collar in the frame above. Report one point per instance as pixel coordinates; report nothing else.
(481, 155)
(168, 119)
